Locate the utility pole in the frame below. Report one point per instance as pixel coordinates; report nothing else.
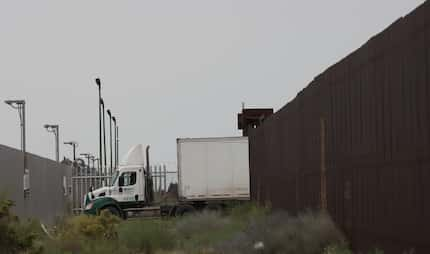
(20, 106)
(74, 144)
(117, 146)
(104, 135)
(100, 122)
(110, 139)
(55, 129)
(114, 131)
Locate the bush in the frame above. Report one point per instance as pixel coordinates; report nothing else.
(147, 235)
(84, 234)
(248, 212)
(90, 227)
(204, 230)
(309, 233)
(16, 236)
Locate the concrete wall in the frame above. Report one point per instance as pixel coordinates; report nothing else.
(47, 200)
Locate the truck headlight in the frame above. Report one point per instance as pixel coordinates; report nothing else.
(89, 206)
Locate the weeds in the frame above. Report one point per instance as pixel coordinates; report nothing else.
(204, 230)
(246, 229)
(16, 236)
(147, 235)
(309, 233)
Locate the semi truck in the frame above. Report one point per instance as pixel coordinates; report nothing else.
(213, 173)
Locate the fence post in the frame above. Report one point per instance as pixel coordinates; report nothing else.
(165, 178)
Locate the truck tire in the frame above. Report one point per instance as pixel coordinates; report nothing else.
(172, 212)
(184, 210)
(217, 208)
(112, 210)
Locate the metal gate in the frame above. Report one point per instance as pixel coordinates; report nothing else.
(84, 177)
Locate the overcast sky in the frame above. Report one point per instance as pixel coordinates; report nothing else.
(168, 68)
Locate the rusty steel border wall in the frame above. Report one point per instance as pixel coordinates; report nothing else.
(356, 142)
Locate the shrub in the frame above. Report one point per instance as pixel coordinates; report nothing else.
(204, 230)
(146, 235)
(16, 236)
(84, 234)
(90, 227)
(248, 212)
(308, 233)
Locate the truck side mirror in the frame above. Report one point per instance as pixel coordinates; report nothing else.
(121, 181)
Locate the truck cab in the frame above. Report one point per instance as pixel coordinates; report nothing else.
(127, 187)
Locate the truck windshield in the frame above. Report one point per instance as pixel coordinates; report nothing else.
(114, 177)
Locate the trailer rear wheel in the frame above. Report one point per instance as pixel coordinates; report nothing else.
(184, 210)
(214, 208)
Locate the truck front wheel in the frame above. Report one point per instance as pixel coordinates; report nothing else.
(112, 210)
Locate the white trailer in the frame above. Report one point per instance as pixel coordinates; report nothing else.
(213, 169)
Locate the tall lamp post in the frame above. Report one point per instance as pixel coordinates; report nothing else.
(20, 106)
(117, 146)
(114, 131)
(104, 135)
(100, 122)
(54, 129)
(110, 139)
(74, 144)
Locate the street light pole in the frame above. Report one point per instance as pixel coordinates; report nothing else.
(115, 148)
(55, 129)
(74, 144)
(100, 123)
(110, 139)
(104, 135)
(20, 106)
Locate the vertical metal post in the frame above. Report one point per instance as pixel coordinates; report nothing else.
(23, 138)
(74, 152)
(165, 177)
(117, 146)
(114, 131)
(73, 144)
(57, 144)
(104, 137)
(55, 129)
(110, 140)
(23, 144)
(20, 106)
(154, 175)
(100, 123)
(160, 186)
